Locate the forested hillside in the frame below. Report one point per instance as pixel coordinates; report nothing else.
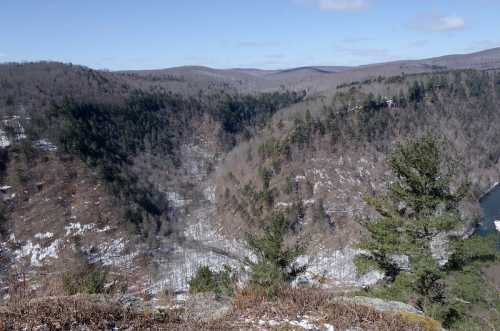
(156, 183)
(360, 123)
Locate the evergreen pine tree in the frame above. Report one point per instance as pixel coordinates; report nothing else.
(419, 204)
(275, 263)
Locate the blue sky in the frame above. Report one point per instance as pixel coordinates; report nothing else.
(133, 34)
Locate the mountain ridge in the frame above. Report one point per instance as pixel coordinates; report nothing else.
(490, 52)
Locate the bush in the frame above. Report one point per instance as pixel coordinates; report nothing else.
(90, 280)
(206, 280)
(276, 262)
(427, 323)
(473, 249)
(401, 289)
(364, 264)
(3, 219)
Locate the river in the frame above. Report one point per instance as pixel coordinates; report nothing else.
(490, 210)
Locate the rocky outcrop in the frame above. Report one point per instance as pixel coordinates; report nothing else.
(333, 268)
(381, 305)
(206, 307)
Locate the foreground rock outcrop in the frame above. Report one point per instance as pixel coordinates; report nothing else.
(291, 310)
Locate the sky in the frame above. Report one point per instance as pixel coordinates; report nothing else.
(267, 34)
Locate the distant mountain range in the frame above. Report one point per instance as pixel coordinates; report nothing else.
(320, 78)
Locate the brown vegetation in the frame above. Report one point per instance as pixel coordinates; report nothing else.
(99, 313)
(65, 313)
(293, 303)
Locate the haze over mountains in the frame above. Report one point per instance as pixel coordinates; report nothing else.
(321, 78)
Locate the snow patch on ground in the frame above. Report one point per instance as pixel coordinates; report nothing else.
(283, 204)
(302, 322)
(46, 235)
(205, 233)
(327, 268)
(300, 178)
(112, 253)
(177, 200)
(305, 324)
(197, 158)
(337, 268)
(308, 202)
(328, 185)
(183, 263)
(104, 229)
(37, 253)
(209, 193)
(4, 140)
(204, 245)
(439, 248)
(14, 123)
(320, 173)
(78, 229)
(45, 145)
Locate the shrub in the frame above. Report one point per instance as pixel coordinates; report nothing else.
(206, 280)
(401, 289)
(364, 264)
(95, 281)
(427, 323)
(480, 248)
(3, 219)
(90, 280)
(266, 175)
(276, 262)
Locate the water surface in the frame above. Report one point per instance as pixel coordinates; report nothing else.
(490, 208)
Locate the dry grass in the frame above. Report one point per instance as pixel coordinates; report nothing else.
(99, 313)
(67, 313)
(293, 303)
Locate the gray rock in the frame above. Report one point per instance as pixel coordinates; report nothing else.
(440, 248)
(370, 278)
(402, 261)
(131, 301)
(43, 327)
(207, 307)
(45, 145)
(381, 305)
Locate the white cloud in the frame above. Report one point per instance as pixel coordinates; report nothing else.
(437, 23)
(449, 23)
(337, 5)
